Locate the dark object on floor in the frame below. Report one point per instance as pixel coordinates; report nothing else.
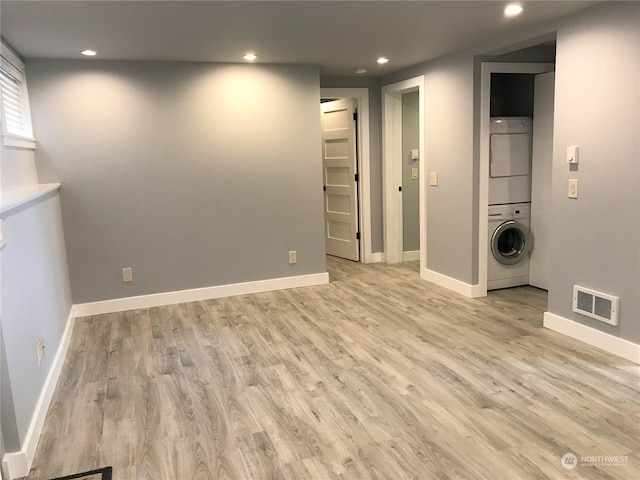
(99, 474)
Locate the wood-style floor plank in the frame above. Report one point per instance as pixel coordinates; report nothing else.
(377, 375)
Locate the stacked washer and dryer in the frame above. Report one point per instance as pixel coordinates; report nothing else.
(510, 239)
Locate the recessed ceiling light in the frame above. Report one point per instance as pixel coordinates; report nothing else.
(361, 70)
(250, 57)
(512, 10)
(89, 53)
(382, 60)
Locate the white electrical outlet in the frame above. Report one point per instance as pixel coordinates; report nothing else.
(572, 188)
(293, 257)
(40, 350)
(127, 274)
(433, 179)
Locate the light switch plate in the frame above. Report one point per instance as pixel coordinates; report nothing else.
(573, 154)
(573, 188)
(433, 179)
(414, 173)
(127, 274)
(415, 154)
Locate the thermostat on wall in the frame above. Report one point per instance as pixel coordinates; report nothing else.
(572, 154)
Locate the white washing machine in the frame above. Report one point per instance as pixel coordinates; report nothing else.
(510, 243)
(510, 160)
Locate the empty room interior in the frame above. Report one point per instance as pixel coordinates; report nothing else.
(320, 240)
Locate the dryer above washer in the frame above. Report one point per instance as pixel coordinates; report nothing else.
(510, 160)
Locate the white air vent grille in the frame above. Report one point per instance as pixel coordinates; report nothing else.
(596, 305)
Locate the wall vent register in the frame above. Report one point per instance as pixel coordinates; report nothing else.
(598, 305)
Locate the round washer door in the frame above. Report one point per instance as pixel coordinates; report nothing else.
(511, 242)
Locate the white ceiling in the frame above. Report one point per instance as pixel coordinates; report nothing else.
(339, 36)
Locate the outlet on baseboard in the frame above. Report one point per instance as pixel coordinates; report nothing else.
(293, 257)
(40, 350)
(127, 274)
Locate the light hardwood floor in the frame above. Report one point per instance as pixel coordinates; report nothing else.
(377, 375)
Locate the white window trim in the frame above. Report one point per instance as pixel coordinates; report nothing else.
(15, 67)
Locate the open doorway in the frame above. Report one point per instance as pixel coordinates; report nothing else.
(410, 176)
(359, 97)
(514, 183)
(403, 172)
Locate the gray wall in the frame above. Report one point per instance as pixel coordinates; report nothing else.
(597, 81)
(451, 207)
(410, 188)
(192, 174)
(596, 238)
(375, 147)
(36, 301)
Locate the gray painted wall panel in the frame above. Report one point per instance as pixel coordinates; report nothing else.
(36, 301)
(192, 174)
(451, 236)
(410, 188)
(596, 238)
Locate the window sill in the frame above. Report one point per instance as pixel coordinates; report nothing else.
(18, 141)
(17, 198)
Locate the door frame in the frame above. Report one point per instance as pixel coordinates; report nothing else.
(487, 68)
(392, 170)
(361, 95)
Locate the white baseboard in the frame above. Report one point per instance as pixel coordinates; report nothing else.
(18, 464)
(615, 345)
(194, 295)
(14, 465)
(466, 289)
(411, 255)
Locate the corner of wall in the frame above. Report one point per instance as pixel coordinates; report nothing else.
(466, 289)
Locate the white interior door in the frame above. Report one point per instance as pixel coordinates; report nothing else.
(542, 165)
(339, 170)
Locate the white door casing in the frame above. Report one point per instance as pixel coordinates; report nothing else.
(339, 167)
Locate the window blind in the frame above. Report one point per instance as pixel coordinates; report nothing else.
(12, 104)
